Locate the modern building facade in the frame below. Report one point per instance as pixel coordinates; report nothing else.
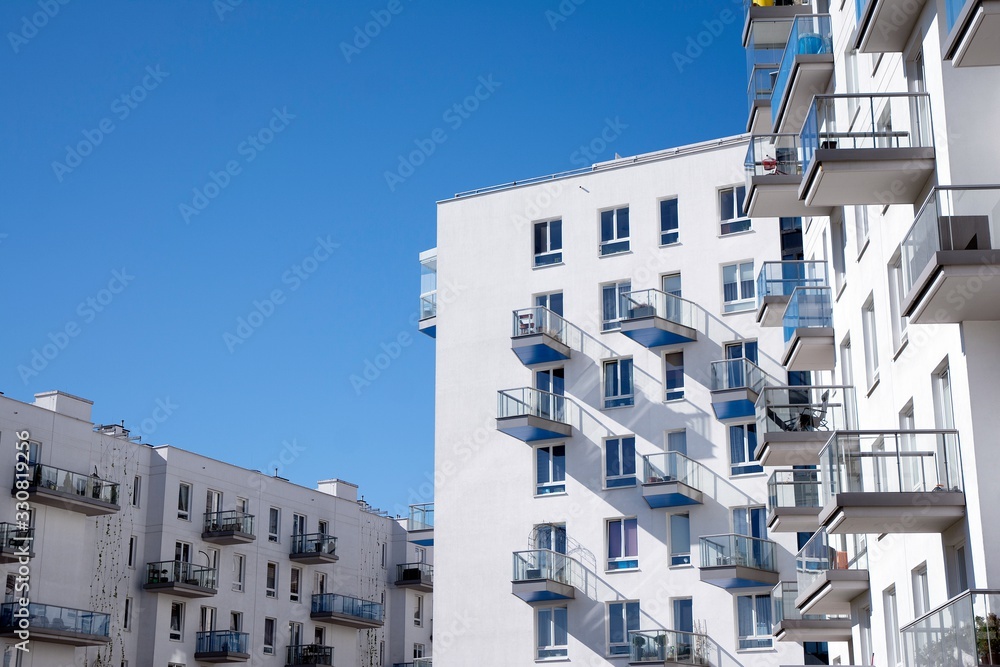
(730, 403)
(120, 553)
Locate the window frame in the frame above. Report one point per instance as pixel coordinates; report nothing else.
(178, 634)
(738, 222)
(295, 584)
(678, 558)
(743, 302)
(669, 230)
(620, 444)
(760, 641)
(271, 582)
(268, 644)
(611, 246)
(673, 390)
(136, 491)
(418, 611)
(555, 253)
(625, 561)
(747, 465)
(621, 288)
(184, 502)
(274, 525)
(553, 650)
(239, 572)
(869, 329)
(619, 399)
(127, 614)
(550, 486)
(620, 609)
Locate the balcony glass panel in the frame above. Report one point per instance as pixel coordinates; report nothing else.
(531, 402)
(825, 552)
(428, 306)
(737, 374)
(806, 409)
(547, 564)
(539, 320)
(229, 521)
(773, 155)
(781, 278)
(222, 641)
(12, 538)
(810, 35)
(731, 549)
(671, 467)
(85, 486)
(309, 654)
(808, 307)
(333, 603)
(649, 302)
(963, 631)
(658, 646)
(319, 543)
(52, 617)
(414, 572)
(793, 488)
(421, 517)
(766, 42)
(176, 572)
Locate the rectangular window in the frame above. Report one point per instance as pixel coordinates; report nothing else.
(839, 241)
(294, 577)
(673, 376)
(177, 621)
(269, 626)
(731, 210)
(668, 222)
(136, 490)
(243, 505)
(619, 462)
(553, 301)
(213, 501)
(613, 303)
(861, 228)
(738, 287)
(683, 615)
(754, 621)
(896, 296)
(127, 615)
(298, 524)
(846, 361)
(239, 569)
(742, 446)
(892, 643)
(791, 239)
(921, 591)
(271, 581)
(273, 524)
(131, 550)
(184, 501)
(236, 621)
(944, 409)
(670, 283)
(550, 470)
(418, 651)
(750, 521)
(420, 554)
(623, 617)
(680, 539)
(677, 441)
(623, 544)
(207, 622)
(551, 637)
(324, 527)
(418, 611)
(548, 242)
(614, 231)
(294, 633)
(618, 389)
(871, 342)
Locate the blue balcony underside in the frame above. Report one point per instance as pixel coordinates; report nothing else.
(530, 428)
(738, 576)
(734, 404)
(655, 331)
(539, 348)
(670, 493)
(423, 538)
(542, 590)
(428, 326)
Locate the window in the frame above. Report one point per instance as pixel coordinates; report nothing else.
(294, 633)
(243, 505)
(670, 283)
(623, 544)
(550, 470)
(207, 620)
(269, 625)
(550, 537)
(731, 210)
(839, 241)
(623, 617)
(177, 621)
(136, 490)
(551, 637)
(323, 527)
(319, 635)
(668, 221)
(618, 383)
(418, 611)
(613, 303)
(184, 501)
(548, 242)
(320, 586)
(131, 550)
(892, 643)
(683, 615)
(866, 631)
(738, 287)
(619, 462)
(861, 228)
(742, 445)
(236, 621)
(921, 591)
(673, 376)
(846, 372)
(944, 410)
(552, 381)
(750, 521)
(239, 569)
(677, 441)
(298, 524)
(614, 231)
(271, 581)
(213, 501)
(418, 651)
(273, 524)
(754, 620)
(896, 295)
(420, 554)
(127, 615)
(294, 577)
(182, 552)
(791, 239)
(383, 555)
(680, 539)
(553, 301)
(871, 342)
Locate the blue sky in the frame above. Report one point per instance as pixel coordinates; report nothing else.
(212, 210)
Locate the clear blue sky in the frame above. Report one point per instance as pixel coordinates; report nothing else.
(117, 115)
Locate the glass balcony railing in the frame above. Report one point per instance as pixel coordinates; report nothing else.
(229, 521)
(808, 307)
(824, 552)
(421, 572)
(963, 631)
(671, 467)
(658, 646)
(810, 35)
(783, 606)
(885, 120)
(309, 654)
(421, 517)
(428, 284)
(761, 84)
(806, 409)
(314, 543)
(428, 306)
(539, 320)
(547, 564)
(951, 218)
(222, 641)
(48, 617)
(525, 401)
(12, 538)
(177, 572)
(773, 155)
(781, 278)
(85, 486)
(732, 549)
(334, 603)
(793, 488)
(650, 302)
(891, 462)
(737, 374)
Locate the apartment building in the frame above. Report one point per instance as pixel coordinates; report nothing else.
(120, 553)
(689, 416)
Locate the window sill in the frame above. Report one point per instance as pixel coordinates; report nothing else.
(623, 570)
(547, 266)
(769, 649)
(671, 245)
(674, 400)
(751, 307)
(730, 234)
(864, 246)
(615, 254)
(617, 407)
(551, 495)
(548, 660)
(747, 475)
(687, 566)
(633, 485)
(873, 387)
(840, 291)
(902, 346)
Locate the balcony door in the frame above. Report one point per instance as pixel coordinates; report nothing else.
(552, 381)
(213, 502)
(746, 349)
(182, 552)
(298, 524)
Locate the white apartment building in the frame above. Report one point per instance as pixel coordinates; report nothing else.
(743, 430)
(143, 555)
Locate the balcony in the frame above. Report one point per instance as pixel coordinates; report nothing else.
(417, 662)
(343, 610)
(973, 32)
(963, 631)
(765, 40)
(884, 26)
(418, 576)
(808, 325)
(795, 423)
(654, 318)
(866, 149)
(529, 414)
(667, 648)
(72, 491)
(230, 527)
(736, 384)
(16, 543)
(222, 646)
(793, 501)
(738, 561)
(806, 69)
(182, 579)
(427, 323)
(314, 549)
(539, 336)
(950, 256)
(542, 575)
(308, 655)
(55, 625)
(831, 570)
(774, 173)
(420, 527)
(788, 625)
(671, 480)
(777, 281)
(891, 482)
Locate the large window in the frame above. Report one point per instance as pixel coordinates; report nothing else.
(294, 579)
(418, 611)
(548, 242)
(623, 544)
(668, 221)
(614, 231)
(754, 621)
(553, 301)
(921, 591)
(619, 462)
(738, 287)
(892, 643)
(184, 501)
(683, 615)
(177, 621)
(673, 376)
(239, 570)
(731, 210)
(551, 636)
(618, 390)
(670, 283)
(944, 409)
(742, 445)
(871, 342)
(271, 581)
(273, 524)
(861, 228)
(550, 470)
(896, 295)
(269, 626)
(680, 539)
(613, 303)
(623, 617)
